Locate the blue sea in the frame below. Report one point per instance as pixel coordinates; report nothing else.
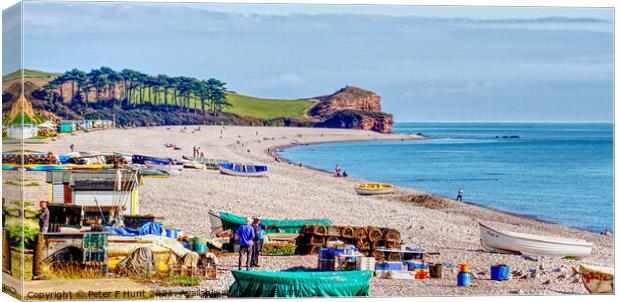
(561, 173)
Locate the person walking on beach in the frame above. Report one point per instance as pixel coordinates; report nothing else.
(259, 238)
(71, 147)
(338, 170)
(246, 243)
(459, 194)
(194, 151)
(44, 217)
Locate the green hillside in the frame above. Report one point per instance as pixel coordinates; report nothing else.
(242, 105)
(28, 73)
(249, 106)
(266, 109)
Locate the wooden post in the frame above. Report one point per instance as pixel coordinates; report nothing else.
(37, 261)
(6, 253)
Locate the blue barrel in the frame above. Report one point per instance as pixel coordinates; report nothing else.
(326, 253)
(200, 248)
(499, 272)
(326, 264)
(463, 279)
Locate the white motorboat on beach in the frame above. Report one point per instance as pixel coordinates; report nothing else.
(502, 241)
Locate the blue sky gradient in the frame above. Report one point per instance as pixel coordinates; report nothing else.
(428, 63)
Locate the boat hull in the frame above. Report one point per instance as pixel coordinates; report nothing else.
(373, 188)
(597, 279)
(163, 165)
(228, 169)
(363, 191)
(533, 245)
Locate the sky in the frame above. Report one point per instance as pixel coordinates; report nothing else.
(429, 64)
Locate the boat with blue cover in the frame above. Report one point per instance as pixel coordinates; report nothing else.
(245, 170)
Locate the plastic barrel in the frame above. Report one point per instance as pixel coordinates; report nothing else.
(436, 270)
(326, 264)
(463, 279)
(200, 248)
(499, 272)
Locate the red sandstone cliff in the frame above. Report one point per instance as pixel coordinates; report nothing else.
(352, 107)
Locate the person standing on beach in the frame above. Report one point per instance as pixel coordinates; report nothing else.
(338, 170)
(44, 217)
(246, 243)
(459, 194)
(259, 238)
(71, 147)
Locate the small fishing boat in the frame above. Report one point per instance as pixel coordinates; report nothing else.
(231, 221)
(154, 173)
(163, 165)
(44, 167)
(209, 163)
(374, 188)
(596, 279)
(6, 167)
(502, 241)
(141, 159)
(300, 284)
(89, 167)
(246, 170)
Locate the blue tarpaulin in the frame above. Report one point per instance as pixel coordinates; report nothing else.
(146, 229)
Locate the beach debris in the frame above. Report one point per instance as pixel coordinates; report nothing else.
(531, 258)
(517, 292)
(547, 282)
(534, 273)
(562, 276)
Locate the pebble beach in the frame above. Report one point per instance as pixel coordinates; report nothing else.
(297, 192)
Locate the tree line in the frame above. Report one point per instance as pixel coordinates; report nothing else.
(130, 87)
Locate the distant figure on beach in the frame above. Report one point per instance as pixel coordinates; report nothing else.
(606, 233)
(202, 154)
(71, 147)
(345, 174)
(194, 150)
(338, 170)
(246, 241)
(459, 194)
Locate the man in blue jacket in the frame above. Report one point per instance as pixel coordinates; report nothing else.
(246, 236)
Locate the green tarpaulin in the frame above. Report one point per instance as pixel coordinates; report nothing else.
(300, 284)
(232, 222)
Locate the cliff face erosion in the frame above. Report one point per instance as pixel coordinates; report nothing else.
(354, 108)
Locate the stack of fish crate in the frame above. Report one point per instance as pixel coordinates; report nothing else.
(95, 252)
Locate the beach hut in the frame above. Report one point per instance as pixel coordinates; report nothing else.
(21, 131)
(95, 188)
(68, 126)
